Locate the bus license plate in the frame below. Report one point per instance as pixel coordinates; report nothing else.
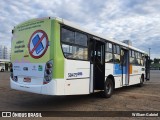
(27, 80)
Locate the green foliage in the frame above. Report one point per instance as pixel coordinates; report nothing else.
(155, 63)
(156, 60)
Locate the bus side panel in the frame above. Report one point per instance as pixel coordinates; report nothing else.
(55, 87)
(56, 51)
(110, 69)
(118, 75)
(77, 86)
(135, 76)
(77, 74)
(118, 81)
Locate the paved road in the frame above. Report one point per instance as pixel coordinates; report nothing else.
(131, 98)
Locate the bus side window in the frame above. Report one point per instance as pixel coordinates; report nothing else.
(81, 39)
(108, 52)
(67, 50)
(142, 60)
(67, 36)
(139, 61)
(132, 57)
(74, 44)
(116, 54)
(135, 59)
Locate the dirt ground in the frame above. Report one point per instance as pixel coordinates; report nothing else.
(133, 98)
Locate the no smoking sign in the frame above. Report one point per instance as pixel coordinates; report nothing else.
(38, 44)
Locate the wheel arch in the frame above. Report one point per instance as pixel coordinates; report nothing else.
(142, 76)
(112, 78)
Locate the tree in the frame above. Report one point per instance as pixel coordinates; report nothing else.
(156, 60)
(150, 61)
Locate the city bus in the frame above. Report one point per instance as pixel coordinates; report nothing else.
(53, 56)
(2, 66)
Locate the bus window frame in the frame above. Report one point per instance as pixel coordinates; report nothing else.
(136, 57)
(73, 44)
(114, 59)
(107, 51)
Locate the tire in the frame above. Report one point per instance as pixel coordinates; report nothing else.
(141, 81)
(108, 88)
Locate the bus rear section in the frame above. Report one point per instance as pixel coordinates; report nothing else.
(31, 63)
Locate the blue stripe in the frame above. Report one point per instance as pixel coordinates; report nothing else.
(118, 69)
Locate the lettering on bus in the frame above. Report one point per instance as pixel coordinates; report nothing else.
(74, 74)
(19, 47)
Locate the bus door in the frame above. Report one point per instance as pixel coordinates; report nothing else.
(147, 67)
(97, 63)
(125, 66)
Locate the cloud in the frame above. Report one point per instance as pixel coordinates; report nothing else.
(136, 20)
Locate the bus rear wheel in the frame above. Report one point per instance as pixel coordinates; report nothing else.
(108, 88)
(141, 81)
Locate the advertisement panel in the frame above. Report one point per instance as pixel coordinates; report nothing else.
(30, 47)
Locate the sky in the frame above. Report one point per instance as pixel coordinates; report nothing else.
(135, 20)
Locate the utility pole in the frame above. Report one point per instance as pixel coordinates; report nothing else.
(149, 51)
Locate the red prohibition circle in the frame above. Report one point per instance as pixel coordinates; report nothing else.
(46, 47)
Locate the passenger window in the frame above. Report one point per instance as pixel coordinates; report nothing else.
(109, 47)
(116, 58)
(114, 49)
(81, 39)
(108, 53)
(79, 53)
(130, 53)
(118, 49)
(67, 36)
(142, 59)
(133, 55)
(74, 44)
(108, 57)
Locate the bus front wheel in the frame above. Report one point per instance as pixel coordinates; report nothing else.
(108, 88)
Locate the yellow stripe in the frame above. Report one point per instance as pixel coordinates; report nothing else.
(130, 69)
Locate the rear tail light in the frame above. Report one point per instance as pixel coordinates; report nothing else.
(49, 65)
(48, 72)
(14, 78)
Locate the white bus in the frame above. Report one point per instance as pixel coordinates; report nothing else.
(2, 66)
(53, 56)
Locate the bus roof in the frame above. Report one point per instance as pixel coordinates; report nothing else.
(73, 25)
